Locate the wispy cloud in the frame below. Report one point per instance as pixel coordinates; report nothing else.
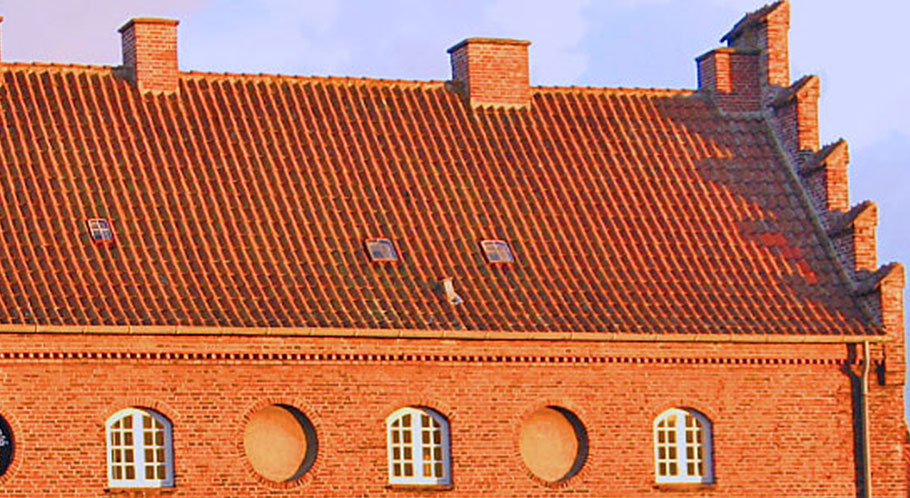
(556, 29)
(77, 30)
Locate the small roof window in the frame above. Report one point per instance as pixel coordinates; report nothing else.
(381, 250)
(101, 230)
(497, 251)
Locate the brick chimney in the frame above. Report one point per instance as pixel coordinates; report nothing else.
(492, 72)
(150, 53)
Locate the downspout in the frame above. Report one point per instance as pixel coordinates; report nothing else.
(867, 468)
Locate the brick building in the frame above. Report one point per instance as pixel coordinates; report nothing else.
(254, 285)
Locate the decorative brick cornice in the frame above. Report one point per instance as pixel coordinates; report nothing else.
(230, 358)
(470, 335)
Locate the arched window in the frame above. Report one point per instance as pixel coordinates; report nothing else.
(682, 447)
(418, 444)
(140, 452)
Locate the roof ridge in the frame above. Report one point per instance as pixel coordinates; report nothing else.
(58, 66)
(343, 80)
(606, 89)
(349, 80)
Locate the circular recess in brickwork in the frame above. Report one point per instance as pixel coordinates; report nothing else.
(6, 446)
(280, 443)
(553, 444)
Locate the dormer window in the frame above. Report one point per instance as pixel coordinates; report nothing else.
(497, 251)
(100, 230)
(381, 250)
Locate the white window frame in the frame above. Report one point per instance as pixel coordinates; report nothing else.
(417, 448)
(101, 230)
(139, 450)
(385, 244)
(497, 251)
(681, 459)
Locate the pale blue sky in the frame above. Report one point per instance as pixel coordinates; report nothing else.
(857, 49)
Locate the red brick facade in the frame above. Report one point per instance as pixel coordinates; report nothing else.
(783, 415)
(672, 249)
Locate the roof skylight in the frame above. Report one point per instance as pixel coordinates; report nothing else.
(381, 250)
(497, 251)
(100, 230)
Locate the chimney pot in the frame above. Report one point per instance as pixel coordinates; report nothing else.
(150, 53)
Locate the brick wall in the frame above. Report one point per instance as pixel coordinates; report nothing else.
(783, 415)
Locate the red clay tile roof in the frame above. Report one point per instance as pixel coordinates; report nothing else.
(246, 200)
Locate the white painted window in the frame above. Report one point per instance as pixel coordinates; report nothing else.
(682, 447)
(381, 250)
(497, 251)
(418, 444)
(100, 230)
(140, 451)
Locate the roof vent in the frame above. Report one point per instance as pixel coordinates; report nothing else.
(381, 250)
(451, 296)
(497, 251)
(100, 230)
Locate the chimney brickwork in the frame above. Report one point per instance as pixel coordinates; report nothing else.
(731, 77)
(150, 54)
(492, 72)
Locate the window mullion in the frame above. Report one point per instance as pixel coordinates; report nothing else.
(417, 445)
(138, 449)
(681, 445)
